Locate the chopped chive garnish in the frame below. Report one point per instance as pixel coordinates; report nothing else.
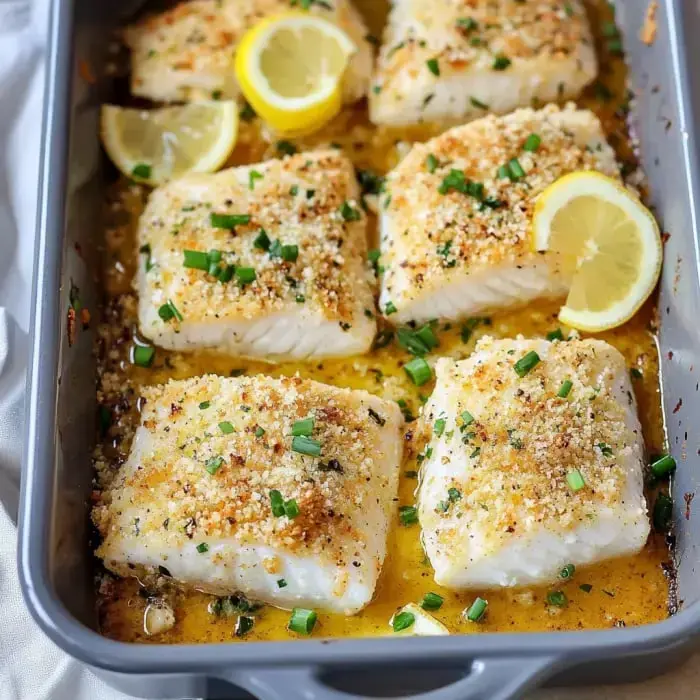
(431, 601)
(254, 175)
(439, 427)
(259, 432)
(636, 373)
(662, 466)
(169, 311)
(306, 446)
(475, 453)
(348, 212)
(281, 583)
(453, 494)
(214, 255)
(467, 23)
(143, 355)
(204, 405)
(262, 240)
(202, 547)
(503, 172)
(303, 427)
(213, 464)
(244, 624)
(289, 253)
(565, 389)
(557, 598)
(516, 170)
(245, 275)
(276, 503)
(419, 371)
(575, 480)
(419, 342)
(567, 571)
(433, 66)
(586, 587)
(294, 190)
(402, 621)
(196, 259)
(467, 418)
(389, 308)
(605, 449)
(476, 610)
(501, 62)
(555, 335)
(291, 508)
(408, 515)
(145, 249)
(431, 163)
(532, 143)
(228, 221)
(214, 269)
(142, 171)
(300, 298)
(663, 510)
(478, 103)
(526, 363)
(225, 427)
(302, 621)
(226, 274)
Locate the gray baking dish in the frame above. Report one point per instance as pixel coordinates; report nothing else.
(55, 562)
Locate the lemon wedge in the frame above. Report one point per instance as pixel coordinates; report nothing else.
(157, 145)
(605, 242)
(290, 69)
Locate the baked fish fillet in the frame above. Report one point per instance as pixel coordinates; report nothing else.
(450, 60)
(186, 53)
(195, 497)
(291, 279)
(527, 474)
(455, 233)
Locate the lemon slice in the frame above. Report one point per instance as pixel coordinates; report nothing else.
(157, 145)
(290, 68)
(605, 242)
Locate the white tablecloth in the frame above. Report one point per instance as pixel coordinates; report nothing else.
(31, 667)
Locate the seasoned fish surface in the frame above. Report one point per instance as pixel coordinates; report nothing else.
(450, 60)
(186, 53)
(455, 233)
(297, 242)
(501, 503)
(195, 493)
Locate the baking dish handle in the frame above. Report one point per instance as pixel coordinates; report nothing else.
(485, 679)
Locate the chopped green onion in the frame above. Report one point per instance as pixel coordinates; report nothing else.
(243, 625)
(567, 572)
(431, 601)
(291, 508)
(575, 480)
(294, 190)
(565, 389)
(557, 598)
(431, 163)
(503, 172)
(433, 66)
(281, 583)
(259, 432)
(453, 494)
(262, 240)
(605, 449)
(586, 587)
(226, 274)
(300, 299)
(306, 446)
(143, 355)
(145, 249)
(289, 253)
(389, 308)
(501, 62)
(663, 511)
(214, 256)
(555, 335)
(228, 221)
(478, 103)
(467, 23)
(439, 427)
(213, 464)
(276, 503)
(402, 621)
(349, 213)
(467, 418)
(516, 170)
(303, 427)
(203, 547)
(419, 342)
(476, 610)
(419, 371)
(245, 275)
(142, 171)
(532, 143)
(169, 311)
(302, 621)
(526, 363)
(662, 466)
(254, 175)
(214, 269)
(408, 515)
(204, 405)
(225, 427)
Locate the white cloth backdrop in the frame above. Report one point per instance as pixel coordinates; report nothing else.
(31, 667)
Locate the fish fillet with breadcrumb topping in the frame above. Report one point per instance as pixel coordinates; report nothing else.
(265, 261)
(535, 462)
(455, 224)
(452, 61)
(186, 53)
(236, 484)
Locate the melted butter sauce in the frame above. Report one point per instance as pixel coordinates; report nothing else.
(626, 591)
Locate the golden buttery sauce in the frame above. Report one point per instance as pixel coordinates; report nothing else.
(626, 591)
